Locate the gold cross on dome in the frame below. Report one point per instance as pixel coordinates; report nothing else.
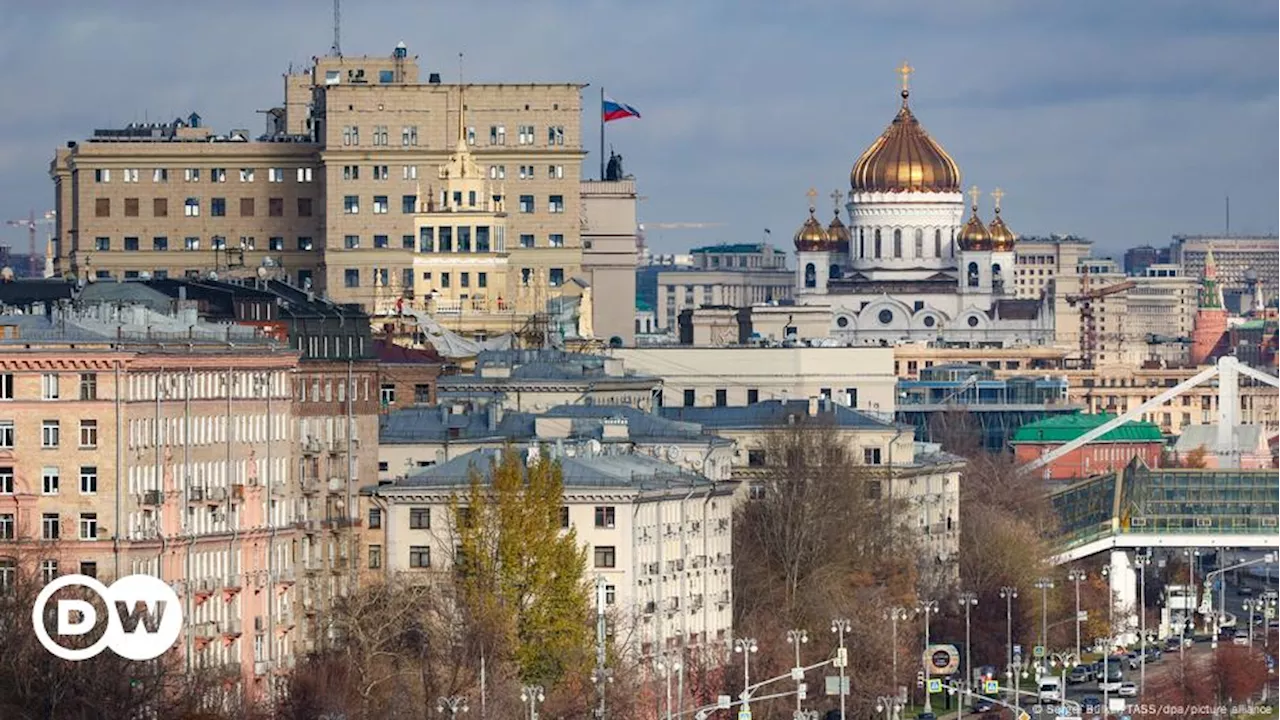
(905, 71)
(997, 194)
(813, 194)
(974, 194)
(836, 195)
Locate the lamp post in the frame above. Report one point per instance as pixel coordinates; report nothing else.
(453, 705)
(1270, 601)
(1111, 637)
(1077, 576)
(532, 694)
(1008, 593)
(967, 601)
(805, 715)
(746, 646)
(1142, 560)
(1193, 557)
(1065, 660)
(668, 663)
(840, 626)
(797, 638)
(926, 607)
(893, 615)
(1044, 585)
(890, 705)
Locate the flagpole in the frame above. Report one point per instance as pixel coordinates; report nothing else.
(602, 132)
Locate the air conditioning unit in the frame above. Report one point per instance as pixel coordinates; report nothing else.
(217, 494)
(259, 623)
(195, 494)
(261, 667)
(152, 497)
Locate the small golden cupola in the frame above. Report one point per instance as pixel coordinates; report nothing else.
(837, 233)
(974, 235)
(1002, 238)
(904, 158)
(811, 237)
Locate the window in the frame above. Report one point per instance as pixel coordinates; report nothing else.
(497, 134)
(218, 175)
(871, 456)
(159, 175)
(375, 557)
(351, 135)
(497, 172)
(380, 135)
(555, 135)
(48, 570)
(379, 204)
(50, 526)
(246, 174)
(375, 518)
(305, 243)
(6, 386)
(464, 279)
(606, 556)
(351, 278)
(8, 574)
(131, 207)
(88, 386)
(564, 517)
(102, 176)
(753, 396)
(191, 208)
(6, 480)
(446, 239)
(304, 174)
(409, 135)
(422, 394)
(482, 280)
(130, 175)
(218, 242)
(6, 531)
(606, 516)
(555, 172)
(160, 207)
(387, 394)
(102, 244)
(419, 556)
(610, 594)
(555, 204)
(380, 242)
(350, 172)
(275, 175)
(526, 172)
(131, 244)
(351, 242)
(853, 396)
(102, 207)
(50, 433)
(555, 277)
(426, 239)
(471, 136)
(897, 243)
(688, 398)
(526, 134)
(756, 458)
(89, 568)
(191, 174)
(408, 204)
(88, 526)
(88, 433)
(722, 397)
(218, 207)
(919, 243)
(444, 280)
(49, 386)
(88, 479)
(419, 518)
(351, 205)
(304, 207)
(526, 203)
(191, 243)
(410, 172)
(275, 207)
(50, 480)
(526, 241)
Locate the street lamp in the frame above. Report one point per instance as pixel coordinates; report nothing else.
(967, 601)
(797, 638)
(746, 646)
(1142, 560)
(532, 694)
(667, 664)
(453, 705)
(893, 615)
(840, 626)
(1065, 660)
(926, 607)
(1077, 576)
(890, 705)
(1193, 557)
(1044, 585)
(1270, 601)
(805, 715)
(1008, 593)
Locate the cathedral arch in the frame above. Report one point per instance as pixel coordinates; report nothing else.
(897, 243)
(833, 273)
(919, 243)
(862, 243)
(810, 276)
(877, 243)
(972, 274)
(937, 242)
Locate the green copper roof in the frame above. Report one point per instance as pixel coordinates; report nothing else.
(1065, 428)
(732, 248)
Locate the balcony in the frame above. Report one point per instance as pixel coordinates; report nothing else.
(286, 576)
(152, 497)
(337, 485)
(312, 446)
(261, 667)
(231, 629)
(216, 495)
(195, 494)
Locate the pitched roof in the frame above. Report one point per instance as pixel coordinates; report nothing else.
(1065, 428)
(431, 424)
(626, 470)
(1248, 437)
(771, 413)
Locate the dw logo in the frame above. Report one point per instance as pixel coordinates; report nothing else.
(146, 621)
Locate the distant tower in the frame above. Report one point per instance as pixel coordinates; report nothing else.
(1211, 317)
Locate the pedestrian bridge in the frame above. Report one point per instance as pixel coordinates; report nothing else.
(1141, 507)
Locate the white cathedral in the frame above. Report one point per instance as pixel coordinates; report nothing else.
(909, 267)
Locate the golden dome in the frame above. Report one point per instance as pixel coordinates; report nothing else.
(905, 159)
(1002, 238)
(811, 237)
(974, 235)
(838, 234)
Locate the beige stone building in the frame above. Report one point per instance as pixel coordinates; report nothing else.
(329, 194)
(609, 256)
(736, 275)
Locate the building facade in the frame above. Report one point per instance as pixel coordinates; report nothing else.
(609, 257)
(1234, 255)
(1111, 452)
(737, 275)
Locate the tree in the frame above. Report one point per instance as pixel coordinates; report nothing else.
(1239, 674)
(519, 575)
(1196, 458)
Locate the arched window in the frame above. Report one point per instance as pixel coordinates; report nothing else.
(937, 243)
(834, 272)
(897, 243)
(862, 243)
(973, 274)
(877, 243)
(810, 276)
(952, 248)
(995, 270)
(919, 243)
(8, 573)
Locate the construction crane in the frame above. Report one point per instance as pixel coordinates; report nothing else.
(1085, 298)
(31, 224)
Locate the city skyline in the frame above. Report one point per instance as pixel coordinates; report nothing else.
(1086, 131)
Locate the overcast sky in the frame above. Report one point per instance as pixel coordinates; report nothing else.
(1124, 122)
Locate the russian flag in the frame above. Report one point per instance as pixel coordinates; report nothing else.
(614, 110)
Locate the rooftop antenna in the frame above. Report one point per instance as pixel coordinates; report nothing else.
(1228, 216)
(459, 68)
(336, 50)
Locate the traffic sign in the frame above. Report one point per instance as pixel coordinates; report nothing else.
(990, 687)
(744, 715)
(835, 686)
(1039, 651)
(935, 687)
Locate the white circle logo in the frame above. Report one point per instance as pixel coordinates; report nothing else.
(144, 617)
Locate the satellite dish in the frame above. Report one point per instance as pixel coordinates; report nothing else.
(213, 276)
(306, 284)
(262, 273)
(673, 453)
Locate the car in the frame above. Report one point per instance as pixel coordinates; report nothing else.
(1128, 689)
(1080, 674)
(1153, 653)
(1091, 705)
(1171, 643)
(1134, 659)
(926, 716)
(1244, 591)
(982, 705)
(1110, 685)
(1241, 638)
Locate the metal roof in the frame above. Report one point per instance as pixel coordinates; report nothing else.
(1065, 428)
(432, 424)
(771, 413)
(630, 470)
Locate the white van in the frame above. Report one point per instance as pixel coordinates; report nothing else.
(1050, 689)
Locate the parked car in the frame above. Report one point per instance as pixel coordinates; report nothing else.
(1153, 653)
(1135, 659)
(1091, 705)
(1244, 591)
(1128, 689)
(982, 705)
(926, 716)
(1241, 638)
(1080, 674)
